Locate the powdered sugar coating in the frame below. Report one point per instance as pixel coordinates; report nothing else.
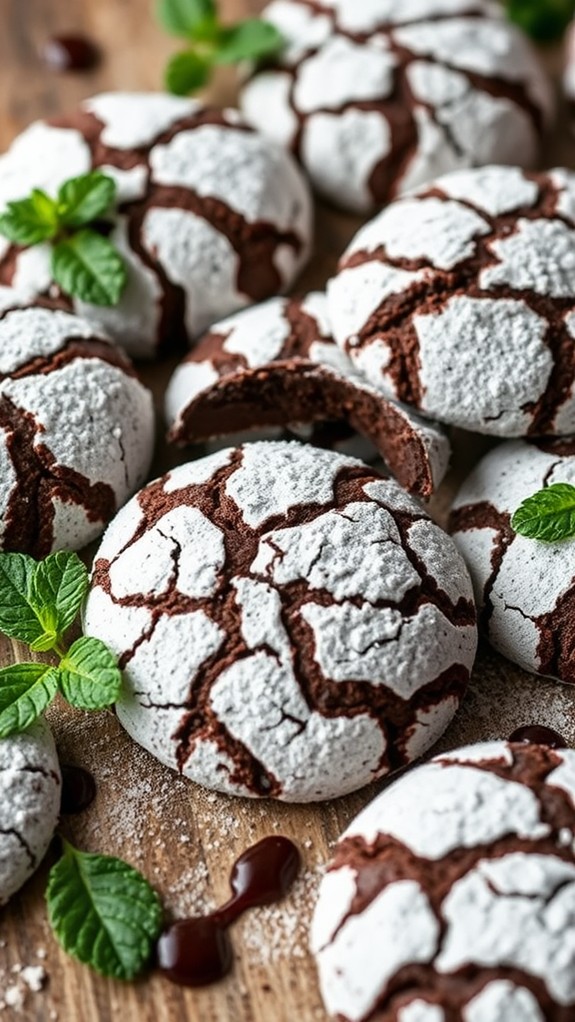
(276, 364)
(529, 623)
(77, 430)
(212, 215)
(30, 787)
(375, 98)
(459, 301)
(493, 936)
(247, 569)
(501, 1001)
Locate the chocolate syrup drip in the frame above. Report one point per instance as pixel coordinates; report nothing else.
(197, 951)
(78, 789)
(70, 53)
(539, 735)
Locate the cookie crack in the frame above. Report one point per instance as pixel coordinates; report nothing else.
(30, 513)
(12, 832)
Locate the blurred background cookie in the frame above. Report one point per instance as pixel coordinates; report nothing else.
(375, 97)
(211, 216)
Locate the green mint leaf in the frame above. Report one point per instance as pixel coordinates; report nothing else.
(84, 198)
(89, 676)
(88, 267)
(30, 221)
(548, 515)
(19, 617)
(25, 692)
(59, 585)
(185, 73)
(544, 20)
(188, 18)
(103, 912)
(248, 40)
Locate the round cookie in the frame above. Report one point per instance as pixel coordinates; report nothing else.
(452, 895)
(277, 364)
(30, 789)
(460, 301)
(265, 653)
(525, 589)
(375, 97)
(212, 216)
(76, 429)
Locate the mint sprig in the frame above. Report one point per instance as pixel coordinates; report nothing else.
(543, 20)
(39, 601)
(103, 912)
(85, 263)
(210, 43)
(548, 515)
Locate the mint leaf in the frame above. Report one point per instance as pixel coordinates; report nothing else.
(88, 267)
(185, 17)
(248, 40)
(84, 198)
(59, 585)
(18, 614)
(89, 676)
(544, 20)
(25, 692)
(103, 912)
(31, 220)
(548, 515)
(185, 73)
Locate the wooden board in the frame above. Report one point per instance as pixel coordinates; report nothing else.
(182, 838)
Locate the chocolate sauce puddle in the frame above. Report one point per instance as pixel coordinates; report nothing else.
(70, 53)
(198, 951)
(78, 789)
(539, 735)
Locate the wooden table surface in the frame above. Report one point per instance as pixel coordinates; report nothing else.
(182, 838)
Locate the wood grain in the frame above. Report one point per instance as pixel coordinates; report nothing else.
(181, 837)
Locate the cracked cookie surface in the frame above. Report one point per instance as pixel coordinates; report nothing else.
(451, 897)
(277, 364)
(460, 301)
(525, 589)
(264, 653)
(211, 215)
(30, 789)
(375, 97)
(76, 429)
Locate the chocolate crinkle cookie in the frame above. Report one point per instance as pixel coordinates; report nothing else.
(377, 96)
(277, 364)
(30, 790)
(289, 624)
(451, 897)
(524, 588)
(460, 301)
(76, 429)
(211, 215)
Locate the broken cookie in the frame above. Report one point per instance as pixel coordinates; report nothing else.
(276, 365)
